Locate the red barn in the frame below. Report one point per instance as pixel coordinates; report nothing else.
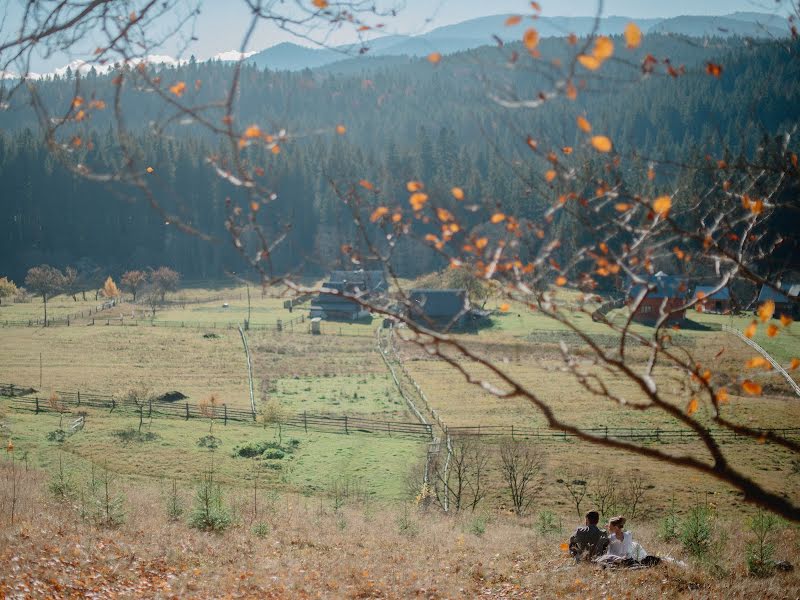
(711, 301)
(662, 294)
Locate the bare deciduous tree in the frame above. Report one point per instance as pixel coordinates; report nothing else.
(459, 474)
(521, 464)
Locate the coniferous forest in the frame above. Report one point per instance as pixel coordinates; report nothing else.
(405, 120)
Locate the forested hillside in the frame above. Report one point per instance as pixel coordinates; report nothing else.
(405, 119)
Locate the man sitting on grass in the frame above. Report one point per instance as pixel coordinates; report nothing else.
(590, 541)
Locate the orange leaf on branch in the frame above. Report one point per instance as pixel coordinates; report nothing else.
(750, 331)
(751, 388)
(662, 206)
(692, 407)
(601, 143)
(458, 193)
(584, 125)
(418, 200)
(513, 20)
(378, 213)
(722, 396)
(178, 89)
(531, 39)
(766, 310)
(633, 35)
(434, 58)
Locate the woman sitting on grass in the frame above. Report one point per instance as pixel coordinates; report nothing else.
(623, 550)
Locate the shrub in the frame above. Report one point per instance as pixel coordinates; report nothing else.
(546, 522)
(210, 442)
(61, 483)
(263, 449)
(478, 525)
(261, 530)
(208, 512)
(57, 435)
(761, 550)
(175, 508)
(669, 528)
(131, 434)
(696, 531)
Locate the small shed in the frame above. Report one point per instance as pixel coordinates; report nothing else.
(711, 301)
(787, 300)
(663, 294)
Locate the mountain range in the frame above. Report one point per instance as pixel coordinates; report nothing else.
(487, 30)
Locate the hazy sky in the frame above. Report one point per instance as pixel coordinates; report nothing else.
(221, 23)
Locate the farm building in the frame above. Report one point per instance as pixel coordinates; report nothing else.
(718, 302)
(663, 294)
(444, 309)
(787, 301)
(332, 306)
(371, 282)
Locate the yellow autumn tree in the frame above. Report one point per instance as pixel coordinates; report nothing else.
(110, 289)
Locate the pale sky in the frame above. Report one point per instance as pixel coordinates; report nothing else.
(221, 23)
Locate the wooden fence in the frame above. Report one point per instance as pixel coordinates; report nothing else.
(631, 433)
(69, 402)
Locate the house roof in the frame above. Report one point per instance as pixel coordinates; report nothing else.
(705, 290)
(440, 303)
(788, 289)
(369, 281)
(335, 301)
(665, 286)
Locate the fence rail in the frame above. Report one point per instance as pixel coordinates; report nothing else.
(68, 402)
(631, 433)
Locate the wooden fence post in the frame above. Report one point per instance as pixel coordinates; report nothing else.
(37, 404)
(305, 422)
(187, 411)
(225, 413)
(113, 405)
(345, 426)
(150, 409)
(79, 397)
(512, 431)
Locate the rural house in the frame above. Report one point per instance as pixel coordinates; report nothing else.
(332, 306)
(443, 309)
(370, 282)
(664, 294)
(717, 302)
(787, 301)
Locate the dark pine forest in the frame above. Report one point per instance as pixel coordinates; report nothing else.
(406, 120)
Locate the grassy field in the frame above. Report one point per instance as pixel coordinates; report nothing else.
(306, 547)
(319, 460)
(340, 373)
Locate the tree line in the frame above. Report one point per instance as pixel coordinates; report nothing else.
(46, 281)
(57, 218)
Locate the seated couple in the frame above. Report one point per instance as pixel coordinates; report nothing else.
(611, 547)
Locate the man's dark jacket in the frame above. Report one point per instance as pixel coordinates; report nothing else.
(588, 542)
